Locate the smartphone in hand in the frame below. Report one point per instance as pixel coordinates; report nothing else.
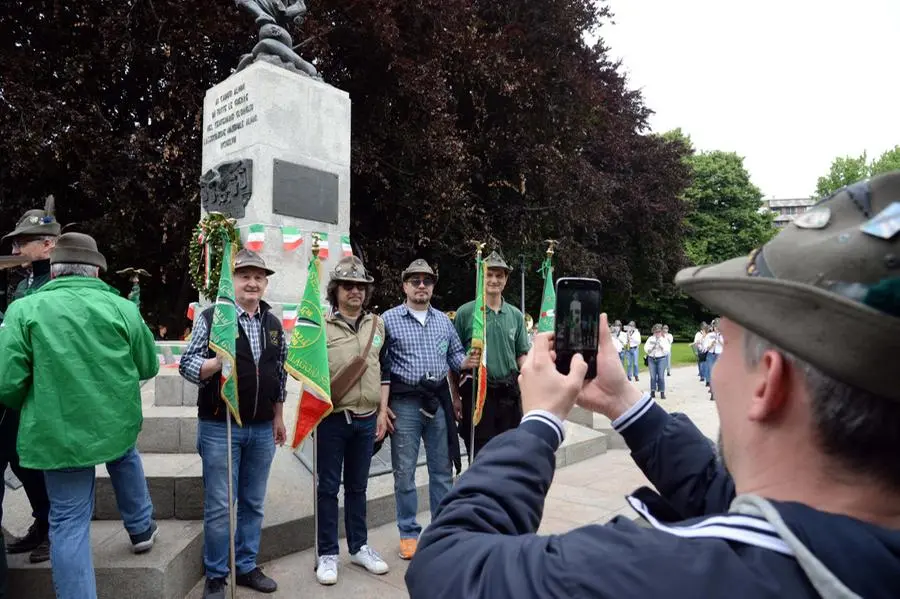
(577, 322)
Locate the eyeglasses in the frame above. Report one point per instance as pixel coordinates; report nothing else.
(418, 282)
(351, 286)
(18, 244)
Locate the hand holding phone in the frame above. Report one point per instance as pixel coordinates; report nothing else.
(577, 328)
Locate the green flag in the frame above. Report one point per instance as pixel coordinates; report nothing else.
(548, 303)
(224, 332)
(479, 339)
(307, 359)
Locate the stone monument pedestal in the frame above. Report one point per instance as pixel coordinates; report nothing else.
(276, 152)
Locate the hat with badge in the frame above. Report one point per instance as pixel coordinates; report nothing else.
(826, 288)
(36, 222)
(351, 270)
(250, 259)
(417, 267)
(495, 260)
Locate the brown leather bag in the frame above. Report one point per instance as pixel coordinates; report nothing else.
(350, 373)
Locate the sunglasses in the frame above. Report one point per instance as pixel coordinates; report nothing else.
(352, 286)
(428, 282)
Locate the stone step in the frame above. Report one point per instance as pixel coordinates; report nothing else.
(603, 425)
(171, 389)
(168, 429)
(167, 572)
(176, 487)
(175, 565)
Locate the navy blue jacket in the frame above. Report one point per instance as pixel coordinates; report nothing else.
(482, 543)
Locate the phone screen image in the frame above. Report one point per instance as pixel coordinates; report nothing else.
(577, 322)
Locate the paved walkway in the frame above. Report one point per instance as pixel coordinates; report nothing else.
(588, 492)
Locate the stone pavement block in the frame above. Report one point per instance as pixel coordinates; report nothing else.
(189, 394)
(168, 389)
(159, 435)
(187, 435)
(579, 415)
(188, 501)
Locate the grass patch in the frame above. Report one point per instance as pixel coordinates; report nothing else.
(682, 355)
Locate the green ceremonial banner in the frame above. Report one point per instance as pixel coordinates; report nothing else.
(224, 332)
(548, 304)
(307, 359)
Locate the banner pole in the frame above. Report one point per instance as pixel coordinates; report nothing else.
(471, 452)
(231, 515)
(315, 473)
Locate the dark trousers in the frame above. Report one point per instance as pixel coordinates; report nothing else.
(32, 480)
(502, 412)
(348, 445)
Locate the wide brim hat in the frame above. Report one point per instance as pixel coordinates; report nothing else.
(417, 267)
(826, 289)
(495, 260)
(34, 222)
(250, 259)
(351, 269)
(77, 248)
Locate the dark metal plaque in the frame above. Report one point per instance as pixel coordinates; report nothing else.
(304, 192)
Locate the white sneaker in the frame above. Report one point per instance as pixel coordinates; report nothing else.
(370, 560)
(326, 569)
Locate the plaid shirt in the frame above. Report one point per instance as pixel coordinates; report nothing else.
(415, 350)
(192, 359)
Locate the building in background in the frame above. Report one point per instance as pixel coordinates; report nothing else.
(786, 210)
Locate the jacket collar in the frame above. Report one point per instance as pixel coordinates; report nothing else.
(76, 282)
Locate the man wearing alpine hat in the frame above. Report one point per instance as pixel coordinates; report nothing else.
(33, 239)
(803, 500)
(507, 343)
(361, 415)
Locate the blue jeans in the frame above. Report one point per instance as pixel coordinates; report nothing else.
(252, 450)
(710, 362)
(71, 493)
(668, 363)
(348, 445)
(410, 427)
(657, 374)
(631, 362)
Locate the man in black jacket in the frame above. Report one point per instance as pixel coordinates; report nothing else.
(33, 238)
(261, 350)
(809, 505)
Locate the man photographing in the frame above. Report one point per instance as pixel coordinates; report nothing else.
(809, 504)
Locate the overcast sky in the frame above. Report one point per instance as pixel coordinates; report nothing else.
(787, 84)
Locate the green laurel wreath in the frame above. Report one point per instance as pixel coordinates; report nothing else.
(214, 228)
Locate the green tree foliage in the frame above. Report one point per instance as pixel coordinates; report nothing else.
(471, 120)
(845, 170)
(724, 220)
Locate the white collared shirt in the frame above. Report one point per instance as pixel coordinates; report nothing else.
(634, 339)
(657, 347)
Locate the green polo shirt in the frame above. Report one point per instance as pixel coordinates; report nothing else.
(507, 338)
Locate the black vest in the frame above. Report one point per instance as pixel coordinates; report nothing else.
(259, 386)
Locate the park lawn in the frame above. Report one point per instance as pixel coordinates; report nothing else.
(682, 355)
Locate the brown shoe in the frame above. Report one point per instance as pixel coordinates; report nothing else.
(408, 548)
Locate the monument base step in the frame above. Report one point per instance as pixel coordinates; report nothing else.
(175, 565)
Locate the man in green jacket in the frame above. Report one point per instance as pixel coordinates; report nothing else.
(33, 238)
(74, 354)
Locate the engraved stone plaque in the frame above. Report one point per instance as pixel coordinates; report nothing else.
(303, 192)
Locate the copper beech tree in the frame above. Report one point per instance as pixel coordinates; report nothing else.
(471, 120)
